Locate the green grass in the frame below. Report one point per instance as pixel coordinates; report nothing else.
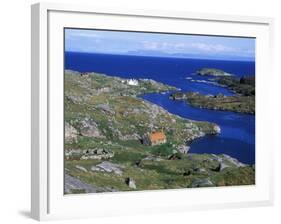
(165, 174)
(162, 150)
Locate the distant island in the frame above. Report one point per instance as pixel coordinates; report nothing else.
(117, 141)
(242, 102)
(212, 72)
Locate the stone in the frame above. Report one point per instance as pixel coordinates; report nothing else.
(89, 128)
(81, 168)
(106, 108)
(103, 90)
(70, 133)
(223, 166)
(202, 170)
(74, 99)
(94, 168)
(75, 185)
(133, 136)
(233, 161)
(183, 149)
(110, 167)
(205, 182)
(131, 183)
(217, 129)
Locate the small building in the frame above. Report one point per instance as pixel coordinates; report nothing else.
(132, 82)
(155, 138)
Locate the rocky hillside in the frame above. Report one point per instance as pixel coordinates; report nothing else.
(105, 122)
(106, 107)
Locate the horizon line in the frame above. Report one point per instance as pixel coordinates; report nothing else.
(164, 56)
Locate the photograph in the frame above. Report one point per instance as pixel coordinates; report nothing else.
(157, 111)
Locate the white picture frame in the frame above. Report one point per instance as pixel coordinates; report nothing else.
(48, 201)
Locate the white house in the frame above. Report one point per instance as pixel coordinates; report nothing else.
(132, 82)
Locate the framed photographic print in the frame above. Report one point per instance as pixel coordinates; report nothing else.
(134, 110)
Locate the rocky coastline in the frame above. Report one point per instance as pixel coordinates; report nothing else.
(242, 102)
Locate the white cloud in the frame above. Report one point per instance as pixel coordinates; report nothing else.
(163, 46)
(218, 48)
(150, 45)
(105, 41)
(188, 48)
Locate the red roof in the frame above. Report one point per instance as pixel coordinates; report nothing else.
(157, 136)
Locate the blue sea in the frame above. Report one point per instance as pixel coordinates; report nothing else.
(237, 137)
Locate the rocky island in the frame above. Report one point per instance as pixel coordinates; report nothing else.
(213, 72)
(236, 103)
(242, 102)
(106, 148)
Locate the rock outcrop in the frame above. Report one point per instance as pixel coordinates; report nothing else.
(131, 183)
(89, 128)
(205, 182)
(70, 133)
(86, 154)
(109, 168)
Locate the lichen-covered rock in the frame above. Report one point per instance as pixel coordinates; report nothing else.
(89, 128)
(110, 167)
(131, 183)
(70, 133)
(223, 166)
(183, 149)
(105, 108)
(81, 168)
(205, 182)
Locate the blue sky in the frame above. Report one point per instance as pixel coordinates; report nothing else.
(163, 45)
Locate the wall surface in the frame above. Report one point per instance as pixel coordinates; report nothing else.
(15, 111)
